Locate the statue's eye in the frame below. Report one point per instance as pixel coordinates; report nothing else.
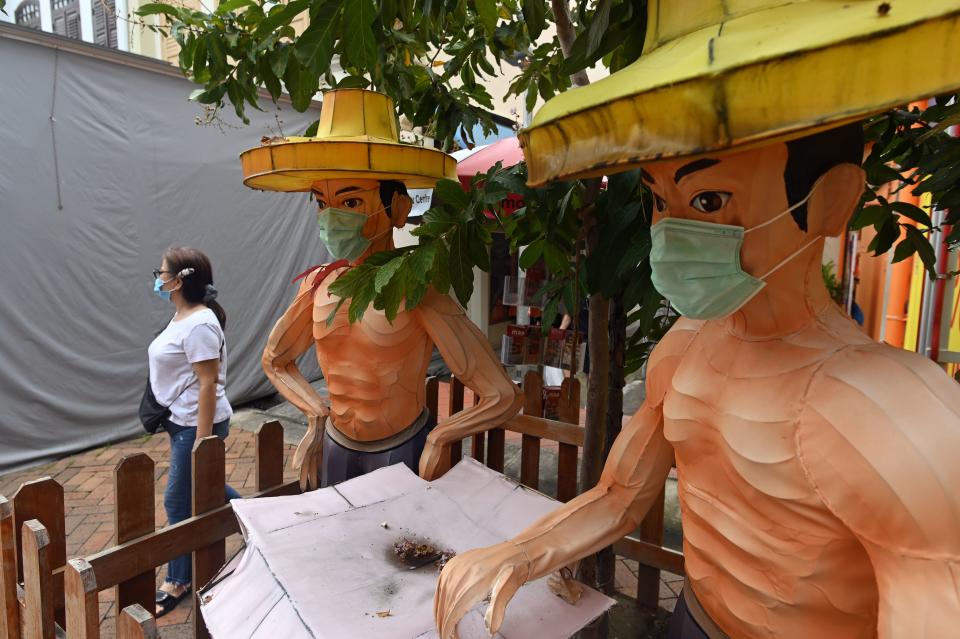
(659, 203)
(321, 204)
(353, 203)
(710, 201)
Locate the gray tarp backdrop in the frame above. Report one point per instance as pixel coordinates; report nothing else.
(136, 175)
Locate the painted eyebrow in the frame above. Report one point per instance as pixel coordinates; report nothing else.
(696, 165)
(348, 189)
(647, 177)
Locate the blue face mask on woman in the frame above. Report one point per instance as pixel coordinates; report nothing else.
(158, 289)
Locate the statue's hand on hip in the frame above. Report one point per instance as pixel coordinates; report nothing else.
(435, 459)
(468, 578)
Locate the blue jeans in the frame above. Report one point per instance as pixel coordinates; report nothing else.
(178, 498)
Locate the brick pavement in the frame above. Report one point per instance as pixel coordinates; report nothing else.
(87, 479)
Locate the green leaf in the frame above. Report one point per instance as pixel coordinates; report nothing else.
(232, 5)
(533, 14)
(279, 58)
(531, 98)
(217, 57)
(200, 58)
(213, 95)
(360, 43)
(904, 249)
(385, 273)
(452, 193)
(312, 129)
(186, 53)
(487, 10)
(421, 259)
(881, 174)
(235, 93)
(440, 275)
(157, 8)
(268, 78)
(394, 293)
(381, 258)
(353, 82)
(461, 267)
(886, 235)
(869, 216)
(479, 254)
(915, 213)
(557, 261)
(598, 26)
(924, 249)
(314, 47)
(301, 85)
(532, 253)
(281, 15)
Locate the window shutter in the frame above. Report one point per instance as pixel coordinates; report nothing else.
(66, 18)
(105, 23)
(28, 14)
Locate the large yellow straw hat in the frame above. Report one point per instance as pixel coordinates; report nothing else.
(719, 74)
(357, 137)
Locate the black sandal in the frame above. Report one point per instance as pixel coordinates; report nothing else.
(168, 602)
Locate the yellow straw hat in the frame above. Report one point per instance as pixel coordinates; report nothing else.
(721, 74)
(357, 137)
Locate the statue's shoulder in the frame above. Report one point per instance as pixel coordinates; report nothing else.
(878, 437)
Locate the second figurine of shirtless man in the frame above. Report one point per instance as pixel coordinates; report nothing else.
(358, 173)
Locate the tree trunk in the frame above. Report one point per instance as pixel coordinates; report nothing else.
(591, 464)
(594, 444)
(606, 558)
(566, 34)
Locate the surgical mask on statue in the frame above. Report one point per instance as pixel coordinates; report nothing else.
(696, 265)
(342, 232)
(158, 289)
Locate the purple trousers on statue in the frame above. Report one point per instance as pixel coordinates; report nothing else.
(343, 459)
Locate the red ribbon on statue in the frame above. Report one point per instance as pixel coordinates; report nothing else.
(324, 272)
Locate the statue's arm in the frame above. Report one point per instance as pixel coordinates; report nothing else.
(469, 356)
(880, 443)
(291, 336)
(633, 476)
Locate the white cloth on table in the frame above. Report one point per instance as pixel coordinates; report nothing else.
(321, 565)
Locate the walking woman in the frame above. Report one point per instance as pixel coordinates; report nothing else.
(188, 372)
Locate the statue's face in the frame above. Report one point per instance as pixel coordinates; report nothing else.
(354, 194)
(743, 189)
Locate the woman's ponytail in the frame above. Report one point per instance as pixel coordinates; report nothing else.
(197, 276)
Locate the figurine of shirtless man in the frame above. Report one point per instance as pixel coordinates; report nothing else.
(818, 473)
(817, 469)
(374, 368)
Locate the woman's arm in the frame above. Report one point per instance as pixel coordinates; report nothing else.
(207, 373)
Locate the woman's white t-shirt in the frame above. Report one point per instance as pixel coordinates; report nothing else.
(196, 338)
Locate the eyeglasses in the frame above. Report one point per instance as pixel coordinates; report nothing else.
(157, 273)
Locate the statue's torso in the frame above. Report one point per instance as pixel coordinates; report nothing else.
(764, 555)
(374, 369)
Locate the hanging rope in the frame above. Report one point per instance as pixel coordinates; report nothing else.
(53, 129)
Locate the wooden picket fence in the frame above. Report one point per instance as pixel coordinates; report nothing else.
(42, 595)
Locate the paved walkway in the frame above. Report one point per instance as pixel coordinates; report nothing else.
(87, 479)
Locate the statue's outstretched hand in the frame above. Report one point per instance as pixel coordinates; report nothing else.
(435, 460)
(497, 571)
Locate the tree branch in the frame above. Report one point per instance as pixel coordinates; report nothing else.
(567, 35)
